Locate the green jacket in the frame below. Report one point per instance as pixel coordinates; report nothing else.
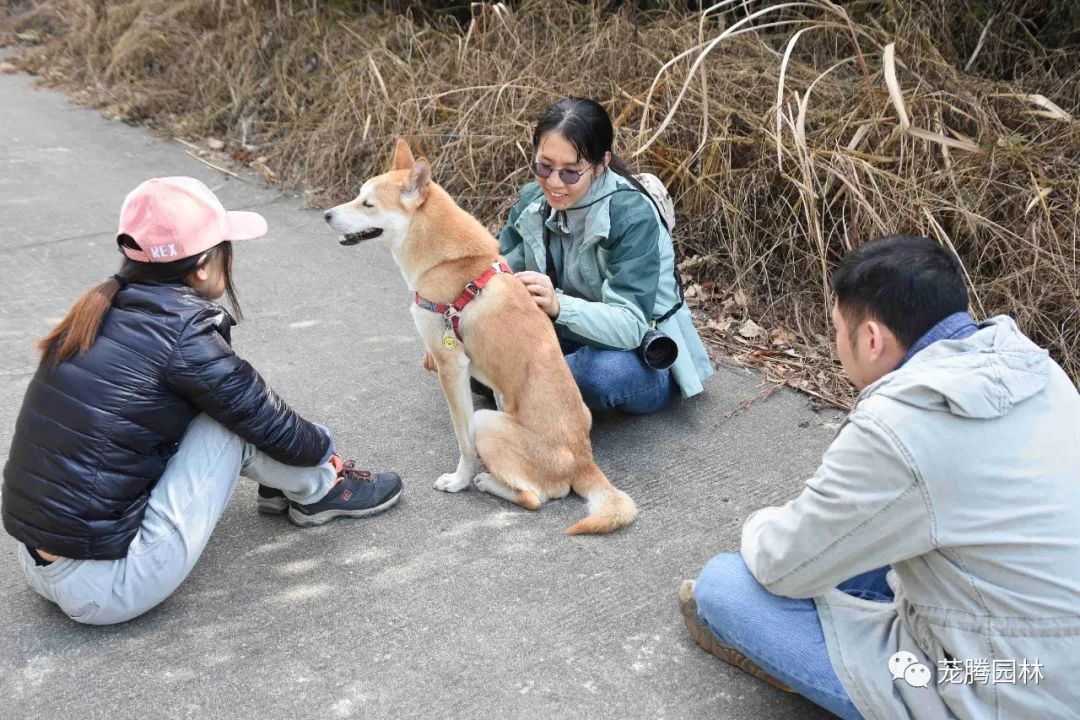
(628, 261)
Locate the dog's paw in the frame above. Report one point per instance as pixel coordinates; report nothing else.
(450, 482)
(484, 482)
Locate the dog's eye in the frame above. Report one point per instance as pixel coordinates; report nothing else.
(367, 204)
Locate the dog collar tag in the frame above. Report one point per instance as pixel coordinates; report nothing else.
(448, 340)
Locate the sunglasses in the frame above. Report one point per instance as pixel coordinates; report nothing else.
(570, 177)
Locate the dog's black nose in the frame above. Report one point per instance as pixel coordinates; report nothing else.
(327, 215)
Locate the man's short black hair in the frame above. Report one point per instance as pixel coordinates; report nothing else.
(907, 282)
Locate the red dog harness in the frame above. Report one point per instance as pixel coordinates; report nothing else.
(452, 313)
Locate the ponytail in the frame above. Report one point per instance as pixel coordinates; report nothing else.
(79, 328)
(620, 167)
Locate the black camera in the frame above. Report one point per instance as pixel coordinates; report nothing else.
(657, 350)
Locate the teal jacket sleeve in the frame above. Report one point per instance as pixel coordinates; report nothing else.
(511, 245)
(622, 315)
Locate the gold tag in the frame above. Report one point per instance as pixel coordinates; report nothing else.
(448, 340)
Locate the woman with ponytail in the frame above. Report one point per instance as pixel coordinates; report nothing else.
(140, 419)
(595, 251)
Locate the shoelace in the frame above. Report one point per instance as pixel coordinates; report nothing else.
(351, 472)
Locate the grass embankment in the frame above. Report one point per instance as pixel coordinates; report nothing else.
(786, 134)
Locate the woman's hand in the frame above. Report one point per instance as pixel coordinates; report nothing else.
(543, 292)
(429, 362)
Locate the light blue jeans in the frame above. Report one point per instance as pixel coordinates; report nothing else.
(780, 635)
(618, 380)
(183, 509)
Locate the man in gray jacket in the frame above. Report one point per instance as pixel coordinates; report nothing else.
(931, 566)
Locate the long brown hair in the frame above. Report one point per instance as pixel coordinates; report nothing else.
(79, 328)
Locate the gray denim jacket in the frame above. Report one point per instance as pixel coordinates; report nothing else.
(961, 469)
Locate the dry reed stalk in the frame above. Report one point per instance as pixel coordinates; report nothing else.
(788, 132)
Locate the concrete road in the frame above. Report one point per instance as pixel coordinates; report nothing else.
(449, 606)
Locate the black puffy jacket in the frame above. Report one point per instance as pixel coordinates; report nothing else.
(95, 432)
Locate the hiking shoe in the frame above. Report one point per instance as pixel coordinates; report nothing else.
(357, 493)
(272, 501)
(701, 634)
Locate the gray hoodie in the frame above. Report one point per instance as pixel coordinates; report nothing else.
(960, 469)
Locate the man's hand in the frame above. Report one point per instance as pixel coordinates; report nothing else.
(539, 285)
(429, 362)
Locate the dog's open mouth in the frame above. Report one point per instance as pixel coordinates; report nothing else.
(353, 238)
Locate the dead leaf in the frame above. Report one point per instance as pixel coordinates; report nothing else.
(259, 165)
(691, 262)
(722, 325)
(780, 337)
(215, 144)
(30, 36)
(750, 329)
(7, 68)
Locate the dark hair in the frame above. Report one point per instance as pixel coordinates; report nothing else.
(79, 328)
(907, 282)
(587, 127)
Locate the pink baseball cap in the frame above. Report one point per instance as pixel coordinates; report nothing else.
(174, 218)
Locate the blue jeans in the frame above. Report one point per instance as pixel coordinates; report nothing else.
(183, 509)
(782, 636)
(618, 380)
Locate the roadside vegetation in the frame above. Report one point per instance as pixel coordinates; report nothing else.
(788, 132)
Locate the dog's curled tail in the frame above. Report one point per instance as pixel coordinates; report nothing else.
(609, 507)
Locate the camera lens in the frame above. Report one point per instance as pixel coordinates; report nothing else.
(657, 350)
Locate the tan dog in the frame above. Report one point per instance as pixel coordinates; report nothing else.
(537, 445)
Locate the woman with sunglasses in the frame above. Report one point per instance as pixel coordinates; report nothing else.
(592, 248)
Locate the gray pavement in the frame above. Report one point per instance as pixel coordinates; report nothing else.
(455, 606)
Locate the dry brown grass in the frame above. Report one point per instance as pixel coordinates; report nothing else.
(788, 132)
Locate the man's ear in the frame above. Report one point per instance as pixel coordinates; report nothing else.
(419, 182)
(403, 157)
(877, 335)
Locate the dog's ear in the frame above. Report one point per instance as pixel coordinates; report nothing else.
(403, 157)
(416, 187)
